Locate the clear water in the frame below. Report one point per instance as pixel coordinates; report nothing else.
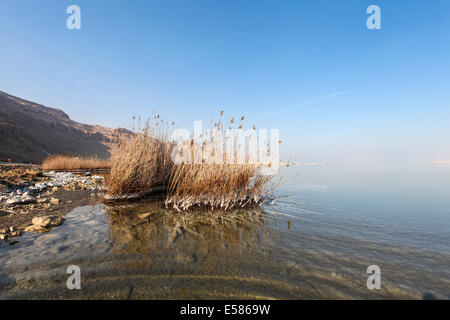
(315, 244)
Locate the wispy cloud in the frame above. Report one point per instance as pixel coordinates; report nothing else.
(434, 162)
(313, 102)
(323, 99)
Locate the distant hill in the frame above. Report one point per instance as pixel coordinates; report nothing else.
(31, 132)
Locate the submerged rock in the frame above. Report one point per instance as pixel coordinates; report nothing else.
(144, 215)
(34, 228)
(176, 232)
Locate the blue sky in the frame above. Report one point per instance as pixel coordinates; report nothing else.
(336, 90)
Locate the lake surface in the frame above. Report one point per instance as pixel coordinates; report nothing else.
(315, 244)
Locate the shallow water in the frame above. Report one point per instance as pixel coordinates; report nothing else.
(317, 243)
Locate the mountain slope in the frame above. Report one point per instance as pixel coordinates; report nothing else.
(31, 132)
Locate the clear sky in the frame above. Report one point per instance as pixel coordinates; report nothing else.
(336, 90)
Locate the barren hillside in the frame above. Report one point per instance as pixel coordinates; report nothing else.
(31, 132)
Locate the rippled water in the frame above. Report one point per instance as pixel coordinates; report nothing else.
(317, 243)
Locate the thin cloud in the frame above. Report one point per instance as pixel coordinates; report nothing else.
(316, 101)
(434, 162)
(324, 98)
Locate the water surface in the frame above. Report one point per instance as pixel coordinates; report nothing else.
(315, 244)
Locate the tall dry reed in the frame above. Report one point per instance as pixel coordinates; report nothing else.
(63, 162)
(143, 163)
(219, 176)
(140, 163)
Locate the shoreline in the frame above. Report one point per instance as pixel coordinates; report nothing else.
(29, 195)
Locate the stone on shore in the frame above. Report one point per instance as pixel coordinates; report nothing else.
(14, 201)
(47, 222)
(34, 228)
(27, 199)
(16, 234)
(20, 199)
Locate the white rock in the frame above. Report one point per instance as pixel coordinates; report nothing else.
(14, 200)
(49, 221)
(26, 199)
(41, 186)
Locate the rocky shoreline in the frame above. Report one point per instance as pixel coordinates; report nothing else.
(35, 201)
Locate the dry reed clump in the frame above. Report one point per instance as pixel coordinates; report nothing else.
(140, 165)
(217, 186)
(63, 162)
(212, 179)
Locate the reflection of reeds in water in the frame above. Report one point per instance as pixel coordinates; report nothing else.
(149, 227)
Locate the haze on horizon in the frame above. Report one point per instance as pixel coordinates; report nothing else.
(336, 90)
